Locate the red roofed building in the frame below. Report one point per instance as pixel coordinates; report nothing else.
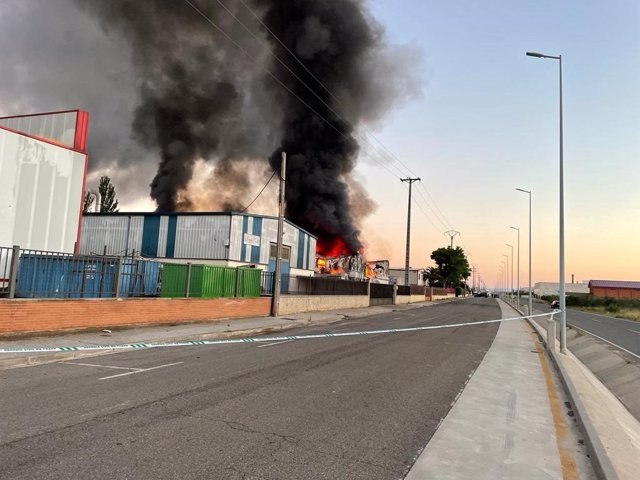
(614, 289)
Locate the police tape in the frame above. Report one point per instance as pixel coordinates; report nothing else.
(225, 341)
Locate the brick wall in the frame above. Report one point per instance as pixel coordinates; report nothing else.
(22, 316)
(628, 293)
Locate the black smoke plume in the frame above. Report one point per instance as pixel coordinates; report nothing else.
(335, 42)
(201, 97)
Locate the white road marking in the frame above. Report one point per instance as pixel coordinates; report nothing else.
(140, 371)
(594, 320)
(274, 343)
(100, 366)
(634, 331)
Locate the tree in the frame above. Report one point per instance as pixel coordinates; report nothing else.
(89, 198)
(433, 277)
(108, 201)
(452, 264)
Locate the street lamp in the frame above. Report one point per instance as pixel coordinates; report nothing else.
(563, 309)
(508, 245)
(530, 293)
(518, 296)
(506, 285)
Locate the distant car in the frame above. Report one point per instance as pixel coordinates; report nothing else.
(555, 304)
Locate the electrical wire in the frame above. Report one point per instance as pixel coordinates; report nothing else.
(257, 196)
(437, 212)
(268, 72)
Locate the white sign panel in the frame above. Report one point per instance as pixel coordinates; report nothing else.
(251, 240)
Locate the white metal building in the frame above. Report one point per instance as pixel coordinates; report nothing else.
(416, 276)
(42, 170)
(553, 288)
(220, 238)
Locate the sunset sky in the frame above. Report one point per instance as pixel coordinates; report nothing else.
(487, 122)
(480, 120)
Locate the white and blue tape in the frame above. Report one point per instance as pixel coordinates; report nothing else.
(190, 343)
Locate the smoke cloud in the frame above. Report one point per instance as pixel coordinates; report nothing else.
(161, 80)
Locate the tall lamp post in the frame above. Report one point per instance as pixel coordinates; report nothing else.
(511, 246)
(506, 285)
(518, 269)
(530, 293)
(563, 309)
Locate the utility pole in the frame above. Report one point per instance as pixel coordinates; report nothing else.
(406, 262)
(452, 233)
(277, 276)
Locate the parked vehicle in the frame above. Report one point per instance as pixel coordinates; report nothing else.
(555, 304)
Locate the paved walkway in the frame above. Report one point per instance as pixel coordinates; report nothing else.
(506, 424)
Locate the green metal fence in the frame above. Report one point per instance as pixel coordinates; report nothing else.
(209, 281)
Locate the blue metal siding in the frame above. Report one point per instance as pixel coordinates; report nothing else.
(257, 230)
(171, 236)
(150, 236)
(243, 247)
(299, 263)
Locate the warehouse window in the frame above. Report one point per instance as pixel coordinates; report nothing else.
(286, 252)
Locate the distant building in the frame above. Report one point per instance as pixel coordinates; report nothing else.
(614, 289)
(42, 173)
(553, 288)
(416, 276)
(216, 238)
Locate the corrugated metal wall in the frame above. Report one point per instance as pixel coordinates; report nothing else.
(234, 237)
(40, 193)
(202, 236)
(59, 127)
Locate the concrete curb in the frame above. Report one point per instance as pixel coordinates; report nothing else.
(599, 457)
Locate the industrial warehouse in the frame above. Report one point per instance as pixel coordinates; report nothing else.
(214, 238)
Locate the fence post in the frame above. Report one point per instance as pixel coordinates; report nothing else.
(13, 271)
(237, 283)
(118, 270)
(395, 294)
(188, 280)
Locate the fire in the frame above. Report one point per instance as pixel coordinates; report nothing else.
(334, 247)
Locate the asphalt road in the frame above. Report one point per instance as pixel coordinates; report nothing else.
(358, 407)
(624, 333)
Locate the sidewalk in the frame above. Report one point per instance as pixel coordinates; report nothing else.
(230, 328)
(509, 422)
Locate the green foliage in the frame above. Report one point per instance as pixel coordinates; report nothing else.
(612, 305)
(452, 266)
(87, 202)
(108, 201)
(433, 277)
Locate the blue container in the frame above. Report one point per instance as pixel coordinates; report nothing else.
(66, 276)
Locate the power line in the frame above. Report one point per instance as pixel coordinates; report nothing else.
(263, 189)
(353, 130)
(432, 210)
(437, 212)
(295, 57)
